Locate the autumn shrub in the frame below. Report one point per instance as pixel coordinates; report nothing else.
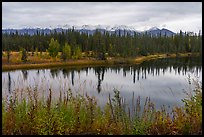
(187, 120)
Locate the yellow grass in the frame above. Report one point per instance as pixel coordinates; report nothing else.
(44, 61)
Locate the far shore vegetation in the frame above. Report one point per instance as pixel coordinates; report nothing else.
(38, 61)
(72, 48)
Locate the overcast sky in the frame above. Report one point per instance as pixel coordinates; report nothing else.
(185, 16)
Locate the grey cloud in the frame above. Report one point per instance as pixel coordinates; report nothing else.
(21, 14)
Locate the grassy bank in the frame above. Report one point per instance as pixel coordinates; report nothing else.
(46, 62)
(50, 65)
(82, 115)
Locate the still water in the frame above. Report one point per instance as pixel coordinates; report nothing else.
(163, 80)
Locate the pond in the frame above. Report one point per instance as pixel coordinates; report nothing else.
(163, 80)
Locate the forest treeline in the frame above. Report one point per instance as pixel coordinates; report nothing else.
(105, 44)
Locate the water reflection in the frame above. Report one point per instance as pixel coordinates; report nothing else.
(99, 71)
(25, 74)
(38, 72)
(162, 79)
(180, 66)
(9, 83)
(72, 74)
(54, 72)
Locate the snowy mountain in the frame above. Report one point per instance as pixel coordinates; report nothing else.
(154, 31)
(90, 29)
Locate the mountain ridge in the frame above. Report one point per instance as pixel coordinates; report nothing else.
(90, 29)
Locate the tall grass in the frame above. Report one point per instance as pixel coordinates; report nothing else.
(69, 114)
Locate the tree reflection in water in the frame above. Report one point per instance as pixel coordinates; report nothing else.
(9, 82)
(54, 72)
(154, 67)
(99, 71)
(25, 74)
(72, 72)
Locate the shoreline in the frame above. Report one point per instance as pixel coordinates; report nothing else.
(87, 62)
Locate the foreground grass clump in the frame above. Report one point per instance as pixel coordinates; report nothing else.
(82, 115)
